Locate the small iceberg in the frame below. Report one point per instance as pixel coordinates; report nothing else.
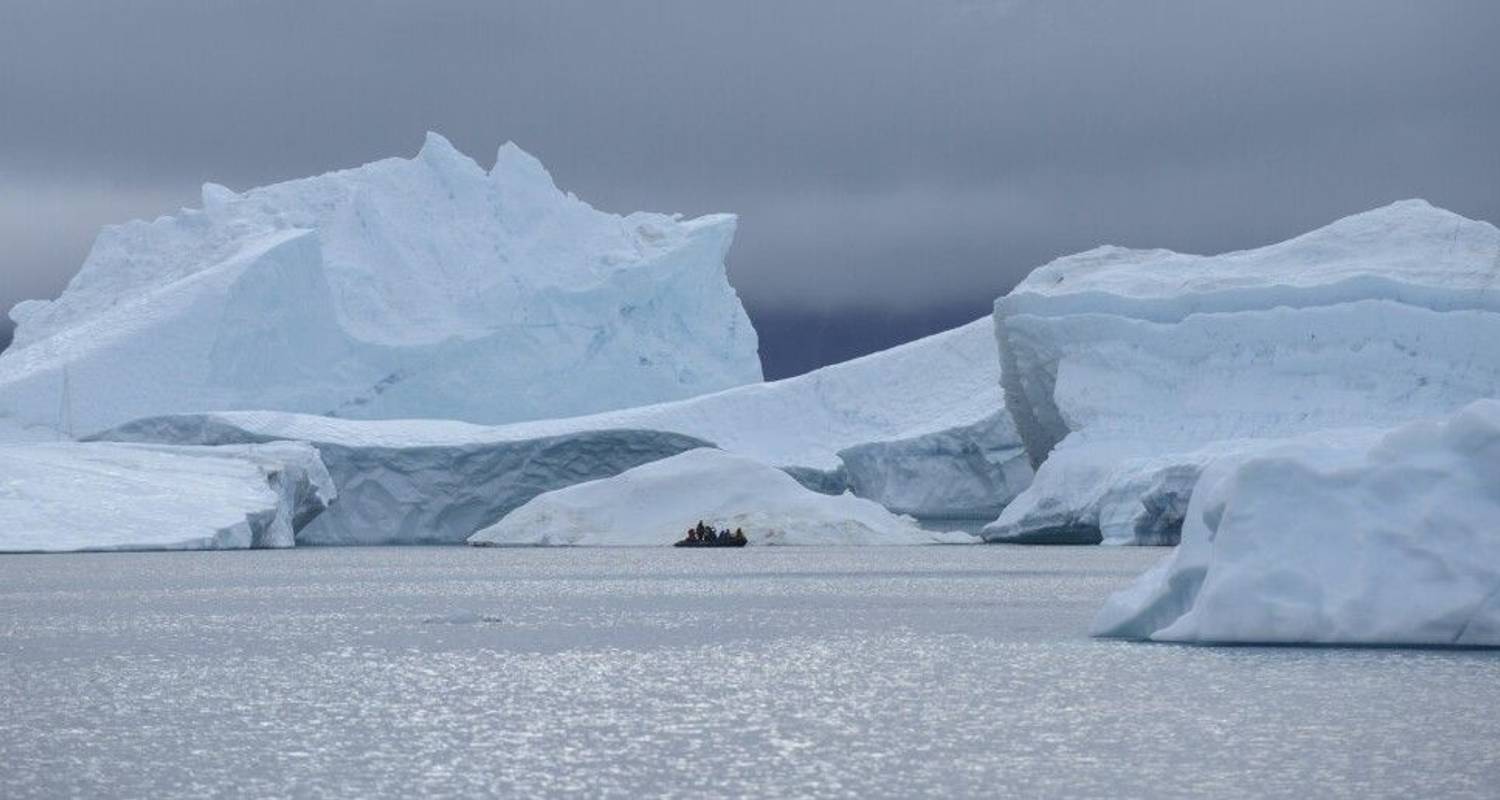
(1354, 538)
(651, 504)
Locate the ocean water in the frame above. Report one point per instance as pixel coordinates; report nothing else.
(897, 672)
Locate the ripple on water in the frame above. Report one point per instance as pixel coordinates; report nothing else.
(879, 672)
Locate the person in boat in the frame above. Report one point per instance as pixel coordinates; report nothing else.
(739, 536)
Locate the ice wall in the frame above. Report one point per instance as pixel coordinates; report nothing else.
(1125, 370)
(104, 496)
(421, 481)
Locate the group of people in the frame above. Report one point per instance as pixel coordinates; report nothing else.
(706, 534)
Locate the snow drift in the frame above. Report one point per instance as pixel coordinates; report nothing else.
(404, 288)
(917, 428)
(100, 496)
(1336, 538)
(654, 504)
(1126, 371)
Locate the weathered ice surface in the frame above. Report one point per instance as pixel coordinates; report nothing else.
(397, 488)
(967, 472)
(1126, 371)
(1092, 493)
(1336, 538)
(917, 427)
(104, 496)
(655, 503)
(425, 287)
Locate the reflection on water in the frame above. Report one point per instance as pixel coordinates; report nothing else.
(879, 672)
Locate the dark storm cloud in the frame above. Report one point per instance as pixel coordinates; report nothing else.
(891, 161)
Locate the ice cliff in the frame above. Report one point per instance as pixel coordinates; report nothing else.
(1336, 538)
(423, 287)
(101, 496)
(917, 428)
(1128, 371)
(655, 503)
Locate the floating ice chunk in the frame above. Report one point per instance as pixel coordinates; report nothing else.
(102, 496)
(1106, 492)
(654, 504)
(461, 616)
(1336, 538)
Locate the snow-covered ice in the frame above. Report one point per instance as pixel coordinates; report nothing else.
(423, 287)
(654, 504)
(104, 496)
(1336, 538)
(1128, 371)
(918, 428)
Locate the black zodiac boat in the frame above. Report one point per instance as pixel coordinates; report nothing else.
(705, 536)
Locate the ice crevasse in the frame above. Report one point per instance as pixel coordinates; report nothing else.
(422, 287)
(1127, 372)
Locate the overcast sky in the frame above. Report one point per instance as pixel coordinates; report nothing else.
(895, 164)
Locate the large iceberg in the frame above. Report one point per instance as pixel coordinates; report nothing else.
(423, 287)
(655, 503)
(1336, 538)
(101, 496)
(918, 428)
(1128, 371)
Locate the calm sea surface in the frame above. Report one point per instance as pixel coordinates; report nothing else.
(897, 672)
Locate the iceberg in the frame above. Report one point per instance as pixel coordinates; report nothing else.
(1338, 537)
(656, 503)
(918, 428)
(1127, 372)
(99, 496)
(1090, 492)
(422, 481)
(422, 287)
